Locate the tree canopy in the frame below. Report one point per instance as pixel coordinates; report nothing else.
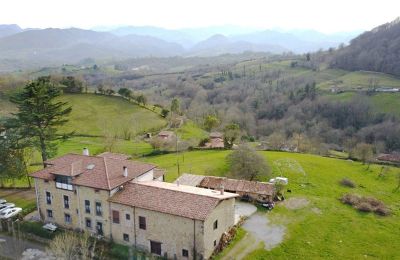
(40, 115)
(246, 163)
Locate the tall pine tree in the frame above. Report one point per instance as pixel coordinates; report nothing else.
(39, 115)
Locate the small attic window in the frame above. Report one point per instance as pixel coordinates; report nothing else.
(90, 167)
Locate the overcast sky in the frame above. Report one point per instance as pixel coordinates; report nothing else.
(324, 16)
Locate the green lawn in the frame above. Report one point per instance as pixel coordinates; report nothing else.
(98, 115)
(359, 79)
(387, 103)
(190, 131)
(325, 228)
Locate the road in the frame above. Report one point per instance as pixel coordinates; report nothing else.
(12, 248)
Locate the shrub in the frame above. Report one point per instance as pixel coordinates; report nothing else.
(350, 199)
(36, 228)
(382, 210)
(364, 207)
(366, 204)
(347, 183)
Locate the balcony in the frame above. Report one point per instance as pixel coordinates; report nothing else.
(64, 186)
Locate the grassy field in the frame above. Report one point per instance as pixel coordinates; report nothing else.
(325, 228)
(20, 197)
(387, 103)
(98, 115)
(190, 131)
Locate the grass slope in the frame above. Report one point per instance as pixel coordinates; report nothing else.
(96, 115)
(334, 230)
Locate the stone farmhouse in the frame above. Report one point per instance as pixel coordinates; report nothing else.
(128, 202)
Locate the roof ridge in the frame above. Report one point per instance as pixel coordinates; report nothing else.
(106, 169)
(179, 191)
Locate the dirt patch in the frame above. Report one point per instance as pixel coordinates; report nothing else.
(296, 203)
(259, 226)
(317, 211)
(243, 209)
(21, 193)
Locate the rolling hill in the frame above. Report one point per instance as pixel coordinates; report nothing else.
(96, 115)
(375, 50)
(51, 47)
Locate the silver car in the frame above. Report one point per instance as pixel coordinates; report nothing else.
(6, 206)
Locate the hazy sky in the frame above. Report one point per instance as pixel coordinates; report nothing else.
(325, 16)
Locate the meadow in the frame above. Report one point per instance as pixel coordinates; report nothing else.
(325, 228)
(98, 115)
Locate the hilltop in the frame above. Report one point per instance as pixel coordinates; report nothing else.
(375, 50)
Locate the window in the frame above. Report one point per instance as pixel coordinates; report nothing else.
(215, 242)
(63, 182)
(185, 253)
(126, 237)
(87, 206)
(142, 222)
(98, 209)
(49, 213)
(66, 202)
(67, 218)
(127, 217)
(48, 197)
(215, 224)
(88, 223)
(115, 216)
(155, 247)
(99, 228)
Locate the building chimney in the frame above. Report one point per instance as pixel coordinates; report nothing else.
(125, 171)
(85, 151)
(222, 189)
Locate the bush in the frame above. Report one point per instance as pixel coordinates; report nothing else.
(119, 251)
(350, 199)
(347, 183)
(36, 228)
(382, 210)
(364, 207)
(366, 204)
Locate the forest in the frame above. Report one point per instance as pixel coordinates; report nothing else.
(284, 101)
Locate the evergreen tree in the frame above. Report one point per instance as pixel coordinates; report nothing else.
(39, 115)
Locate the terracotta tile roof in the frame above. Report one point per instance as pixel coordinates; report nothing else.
(185, 201)
(394, 157)
(216, 135)
(166, 134)
(93, 171)
(233, 185)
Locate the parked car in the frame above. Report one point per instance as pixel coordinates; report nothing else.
(269, 205)
(6, 206)
(2, 201)
(8, 213)
(50, 227)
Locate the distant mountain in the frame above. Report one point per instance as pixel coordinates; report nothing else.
(9, 29)
(219, 44)
(167, 35)
(57, 46)
(375, 50)
(297, 41)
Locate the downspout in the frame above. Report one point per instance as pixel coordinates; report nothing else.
(194, 239)
(37, 200)
(134, 225)
(110, 217)
(79, 208)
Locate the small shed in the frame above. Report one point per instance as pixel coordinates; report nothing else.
(165, 135)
